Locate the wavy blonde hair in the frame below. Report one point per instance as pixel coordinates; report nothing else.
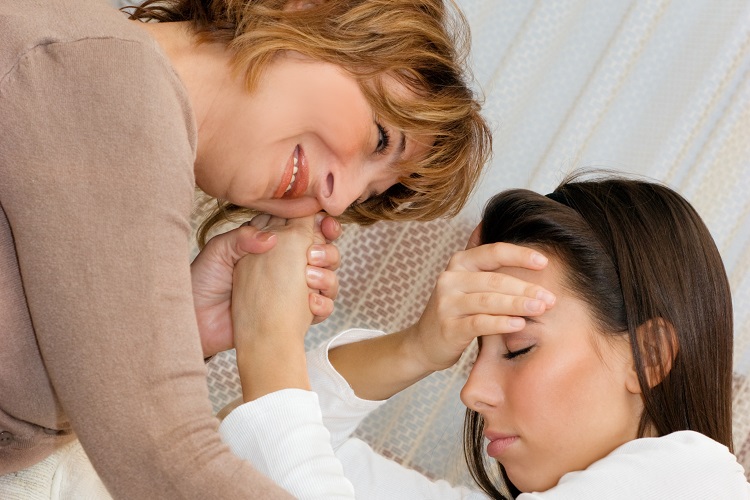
(421, 44)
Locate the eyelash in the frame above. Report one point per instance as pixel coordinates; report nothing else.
(515, 354)
(384, 140)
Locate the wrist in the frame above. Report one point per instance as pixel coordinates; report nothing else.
(271, 365)
(414, 353)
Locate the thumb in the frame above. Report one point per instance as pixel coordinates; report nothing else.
(312, 224)
(246, 239)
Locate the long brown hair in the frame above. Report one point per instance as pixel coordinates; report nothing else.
(643, 260)
(421, 44)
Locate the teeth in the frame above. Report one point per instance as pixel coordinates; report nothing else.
(291, 182)
(294, 172)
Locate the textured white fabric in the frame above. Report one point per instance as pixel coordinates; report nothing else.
(67, 474)
(283, 434)
(295, 452)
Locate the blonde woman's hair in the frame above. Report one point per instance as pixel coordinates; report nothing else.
(420, 44)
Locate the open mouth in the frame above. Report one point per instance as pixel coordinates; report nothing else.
(295, 169)
(292, 180)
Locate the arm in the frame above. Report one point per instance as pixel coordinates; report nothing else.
(212, 270)
(469, 300)
(100, 223)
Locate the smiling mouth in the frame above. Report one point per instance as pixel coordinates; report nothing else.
(293, 181)
(295, 169)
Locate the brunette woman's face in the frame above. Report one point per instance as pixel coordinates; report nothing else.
(556, 396)
(304, 140)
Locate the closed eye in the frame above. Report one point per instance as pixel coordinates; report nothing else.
(520, 352)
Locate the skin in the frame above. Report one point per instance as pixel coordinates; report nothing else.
(246, 145)
(212, 276)
(568, 401)
(247, 140)
(469, 299)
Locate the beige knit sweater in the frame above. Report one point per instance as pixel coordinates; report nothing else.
(98, 331)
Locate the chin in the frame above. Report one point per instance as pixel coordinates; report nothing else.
(287, 209)
(527, 483)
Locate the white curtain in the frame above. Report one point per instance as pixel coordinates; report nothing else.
(658, 88)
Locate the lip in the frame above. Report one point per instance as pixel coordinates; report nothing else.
(301, 179)
(499, 443)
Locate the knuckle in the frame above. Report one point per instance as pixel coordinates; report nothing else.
(485, 300)
(455, 260)
(495, 280)
(476, 322)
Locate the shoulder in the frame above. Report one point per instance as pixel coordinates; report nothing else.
(82, 57)
(685, 463)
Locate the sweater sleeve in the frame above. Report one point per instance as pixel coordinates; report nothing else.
(97, 185)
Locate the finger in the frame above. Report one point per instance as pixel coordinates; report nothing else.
(326, 256)
(496, 255)
(321, 307)
(307, 222)
(259, 221)
(275, 221)
(474, 239)
(468, 282)
(323, 280)
(235, 244)
(480, 325)
(331, 228)
(497, 304)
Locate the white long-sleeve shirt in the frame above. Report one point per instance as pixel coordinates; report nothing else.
(302, 440)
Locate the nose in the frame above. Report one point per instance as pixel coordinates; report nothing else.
(345, 185)
(482, 391)
(340, 191)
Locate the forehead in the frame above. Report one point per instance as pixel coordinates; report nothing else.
(551, 277)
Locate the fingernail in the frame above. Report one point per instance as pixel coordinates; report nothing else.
(533, 305)
(317, 299)
(548, 297)
(313, 273)
(538, 259)
(516, 322)
(319, 218)
(263, 236)
(317, 254)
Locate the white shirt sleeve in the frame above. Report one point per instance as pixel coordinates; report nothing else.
(342, 410)
(290, 436)
(284, 436)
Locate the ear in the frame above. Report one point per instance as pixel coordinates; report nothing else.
(294, 5)
(475, 238)
(658, 346)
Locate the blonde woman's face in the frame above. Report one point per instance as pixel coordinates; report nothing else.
(556, 396)
(304, 140)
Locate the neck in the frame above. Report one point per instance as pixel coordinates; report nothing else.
(204, 68)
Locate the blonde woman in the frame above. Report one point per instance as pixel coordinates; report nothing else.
(357, 108)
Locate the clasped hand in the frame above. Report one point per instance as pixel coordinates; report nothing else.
(213, 271)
